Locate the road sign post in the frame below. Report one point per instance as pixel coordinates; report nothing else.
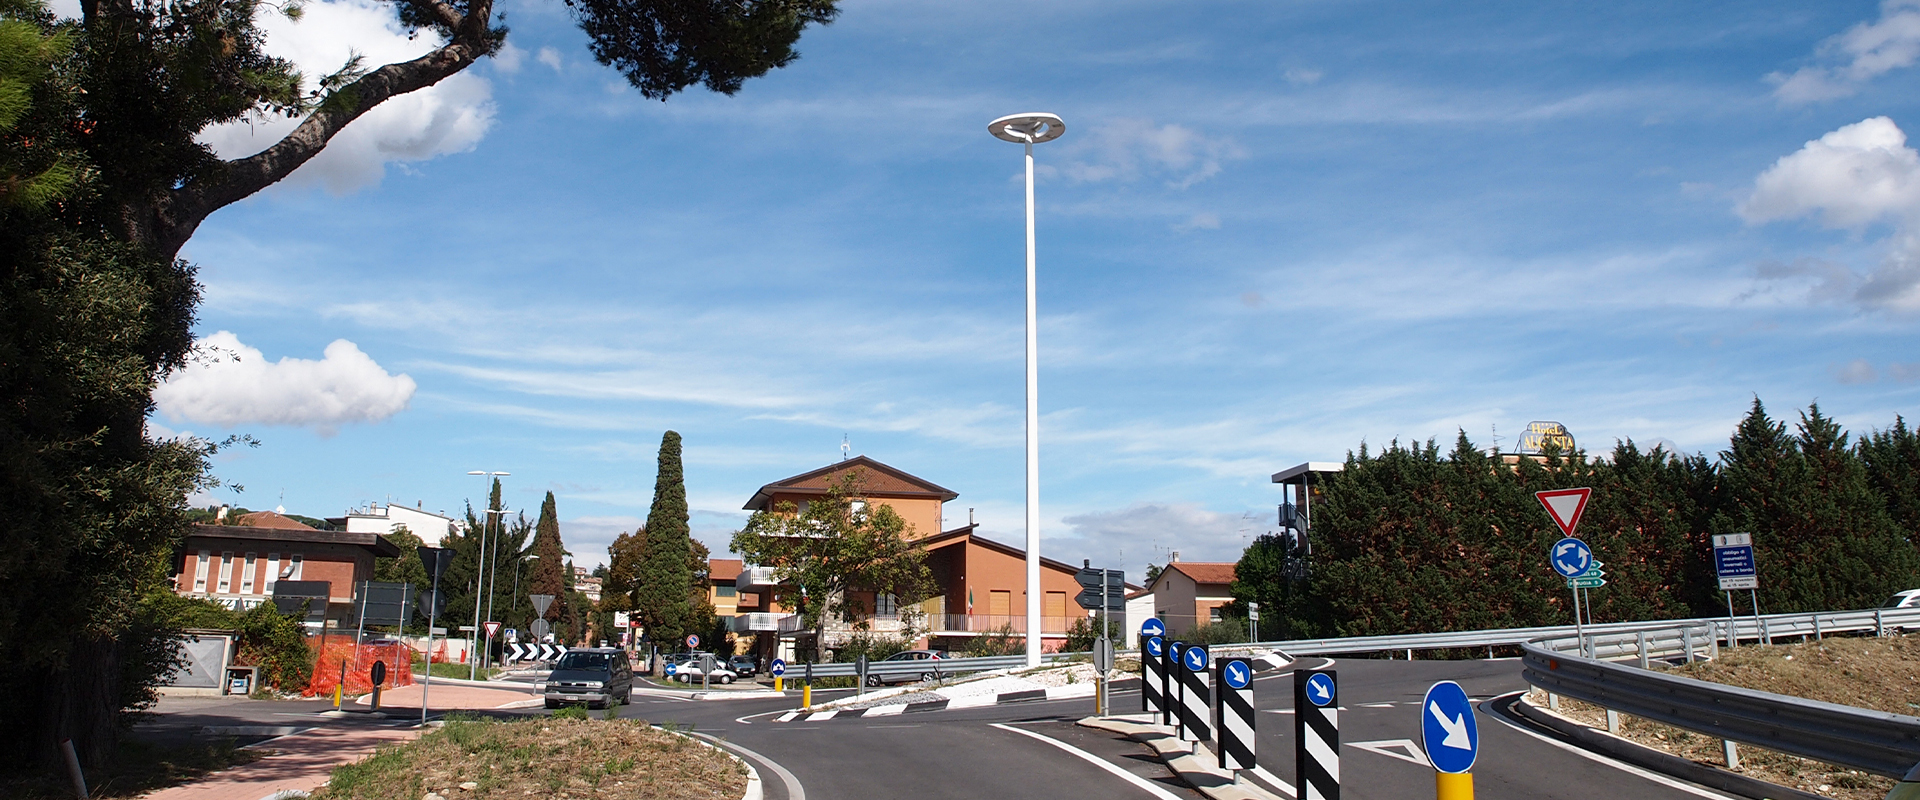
(1233, 713)
(435, 560)
(1174, 693)
(1451, 738)
(1316, 734)
(1196, 698)
(779, 670)
(1733, 564)
(1153, 676)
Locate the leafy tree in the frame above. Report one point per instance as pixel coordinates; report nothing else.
(277, 644)
(1153, 572)
(1260, 577)
(548, 574)
(664, 577)
(1892, 460)
(102, 182)
(492, 542)
(823, 555)
(1085, 631)
(623, 566)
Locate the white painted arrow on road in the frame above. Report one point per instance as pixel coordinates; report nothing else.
(1456, 729)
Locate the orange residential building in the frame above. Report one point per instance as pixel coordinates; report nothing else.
(1188, 594)
(980, 583)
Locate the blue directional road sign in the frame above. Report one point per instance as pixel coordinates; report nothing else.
(1156, 646)
(1237, 674)
(1448, 731)
(1571, 557)
(778, 667)
(1195, 658)
(1320, 689)
(1152, 627)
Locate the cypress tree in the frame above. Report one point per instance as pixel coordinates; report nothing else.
(663, 579)
(548, 573)
(1892, 459)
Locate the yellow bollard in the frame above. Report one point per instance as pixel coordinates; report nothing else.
(336, 697)
(806, 697)
(776, 683)
(1453, 785)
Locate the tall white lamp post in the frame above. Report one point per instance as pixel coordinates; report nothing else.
(473, 660)
(1030, 129)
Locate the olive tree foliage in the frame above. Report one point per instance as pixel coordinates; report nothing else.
(824, 556)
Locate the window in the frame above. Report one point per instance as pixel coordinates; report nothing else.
(273, 572)
(200, 572)
(226, 572)
(1056, 605)
(725, 591)
(246, 574)
(293, 568)
(1000, 603)
(886, 605)
(1213, 614)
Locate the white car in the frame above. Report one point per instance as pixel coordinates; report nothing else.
(689, 672)
(1907, 599)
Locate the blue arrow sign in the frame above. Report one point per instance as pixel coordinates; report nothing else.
(778, 668)
(1448, 731)
(1156, 646)
(1570, 557)
(1237, 673)
(1153, 627)
(1195, 658)
(1320, 689)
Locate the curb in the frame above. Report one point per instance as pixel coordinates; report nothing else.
(1665, 763)
(737, 695)
(977, 701)
(756, 790)
(1179, 756)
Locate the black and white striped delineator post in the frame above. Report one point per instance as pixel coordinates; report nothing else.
(1316, 734)
(1233, 712)
(1172, 689)
(1195, 699)
(1153, 670)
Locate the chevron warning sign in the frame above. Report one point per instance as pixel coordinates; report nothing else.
(535, 652)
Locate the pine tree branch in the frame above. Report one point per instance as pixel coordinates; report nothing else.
(171, 221)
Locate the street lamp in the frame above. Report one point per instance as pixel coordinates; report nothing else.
(473, 664)
(1030, 129)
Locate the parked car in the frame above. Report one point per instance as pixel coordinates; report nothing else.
(595, 676)
(1907, 599)
(929, 673)
(745, 665)
(673, 661)
(690, 672)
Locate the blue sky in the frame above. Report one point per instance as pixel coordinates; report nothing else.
(1271, 232)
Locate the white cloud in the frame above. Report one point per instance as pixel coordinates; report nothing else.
(1851, 178)
(240, 386)
(1304, 77)
(1866, 51)
(1856, 371)
(1203, 221)
(1131, 149)
(549, 57)
(1144, 532)
(449, 117)
(1855, 176)
(509, 58)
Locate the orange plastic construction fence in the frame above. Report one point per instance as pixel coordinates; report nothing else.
(359, 662)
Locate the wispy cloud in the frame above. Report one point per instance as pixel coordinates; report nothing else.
(1847, 62)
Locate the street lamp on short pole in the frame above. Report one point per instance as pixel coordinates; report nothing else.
(1030, 129)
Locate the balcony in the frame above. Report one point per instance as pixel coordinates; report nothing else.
(963, 624)
(766, 623)
(752, 578)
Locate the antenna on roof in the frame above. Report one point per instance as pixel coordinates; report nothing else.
(282, 508)
(844, 447)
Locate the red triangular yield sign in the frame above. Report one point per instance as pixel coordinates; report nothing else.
(1565, 506)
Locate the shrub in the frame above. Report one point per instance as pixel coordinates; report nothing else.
(1001, 641)
(872, 645)
(277, 644)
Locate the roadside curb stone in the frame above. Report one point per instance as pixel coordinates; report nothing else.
(1213, 782)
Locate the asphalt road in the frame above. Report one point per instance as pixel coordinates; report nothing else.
(1033, 749)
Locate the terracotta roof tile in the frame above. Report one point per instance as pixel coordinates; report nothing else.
(268, 519)
(1205, 571)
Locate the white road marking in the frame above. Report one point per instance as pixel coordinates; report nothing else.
(1097, 761)
(1385, 747)
(794, 791)
(1619, 765)
(1376, 705)
(1261, 773)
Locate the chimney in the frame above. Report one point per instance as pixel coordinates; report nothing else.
(1173, 557)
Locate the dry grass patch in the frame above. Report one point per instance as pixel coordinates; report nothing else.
(1880, 674)
(551, 758)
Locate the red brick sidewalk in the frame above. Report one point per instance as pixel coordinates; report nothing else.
(303, 761)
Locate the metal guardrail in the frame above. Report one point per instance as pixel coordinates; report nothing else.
(1764, 629)
(1873, 741)
(944, 667)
